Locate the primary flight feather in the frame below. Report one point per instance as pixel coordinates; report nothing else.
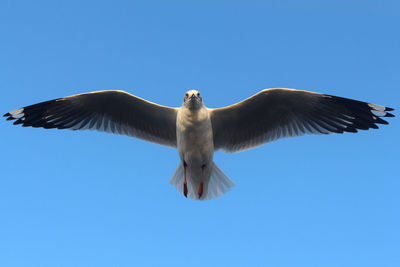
(197, 131)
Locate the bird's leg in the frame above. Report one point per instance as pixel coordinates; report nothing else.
(185, 190)
(201, 181)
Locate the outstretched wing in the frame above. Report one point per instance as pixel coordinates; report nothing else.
(109, 111)
(276, 113)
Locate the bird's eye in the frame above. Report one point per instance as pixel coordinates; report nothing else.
(198, 94)
(186, 95)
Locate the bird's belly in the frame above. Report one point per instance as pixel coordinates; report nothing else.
(195, 140)
(195, 148)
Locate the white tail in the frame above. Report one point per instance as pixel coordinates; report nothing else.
(217, 186)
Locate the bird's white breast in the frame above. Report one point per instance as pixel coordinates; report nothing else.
(194, 137)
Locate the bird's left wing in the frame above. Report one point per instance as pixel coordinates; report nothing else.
(276, 113)
(109, 111)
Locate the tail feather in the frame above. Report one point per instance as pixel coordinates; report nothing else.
(218, 184)
(177, 179)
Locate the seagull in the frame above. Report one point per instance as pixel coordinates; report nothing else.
(197, 131)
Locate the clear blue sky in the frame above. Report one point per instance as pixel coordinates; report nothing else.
(93, 199)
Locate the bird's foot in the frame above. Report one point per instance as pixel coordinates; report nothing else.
(185, 190)
(200, 191)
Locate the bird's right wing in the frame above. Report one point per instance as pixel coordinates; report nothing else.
(109, 111)
(276, 113)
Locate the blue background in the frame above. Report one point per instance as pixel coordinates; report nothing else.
(92, 199)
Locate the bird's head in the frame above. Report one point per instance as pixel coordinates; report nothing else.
(193, 100)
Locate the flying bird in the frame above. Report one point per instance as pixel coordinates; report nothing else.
(197, 131)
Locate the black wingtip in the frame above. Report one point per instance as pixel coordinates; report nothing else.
(18, 122)
(389, 115)
(7, 114)
(389, 109)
